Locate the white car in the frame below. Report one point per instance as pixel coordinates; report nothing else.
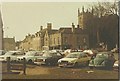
(74, 59)
(12, 54)
(116, 65)
(30, 56)
(91, 52)
(48, 58)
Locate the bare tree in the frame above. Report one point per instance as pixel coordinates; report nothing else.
(105, 8)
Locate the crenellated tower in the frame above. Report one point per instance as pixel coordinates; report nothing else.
(84, 18)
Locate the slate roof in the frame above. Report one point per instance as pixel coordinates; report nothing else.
(69, 31)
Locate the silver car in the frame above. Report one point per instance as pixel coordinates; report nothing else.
(12, 54)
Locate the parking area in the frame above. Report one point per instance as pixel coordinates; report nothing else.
(55, 72)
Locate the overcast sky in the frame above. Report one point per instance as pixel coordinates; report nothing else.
(22, 18)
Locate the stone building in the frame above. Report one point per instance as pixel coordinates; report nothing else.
(9, 44)
(37, 41)
(89, 22)
(100, 28)
(26, 44)
(69, 38)
(48, 38)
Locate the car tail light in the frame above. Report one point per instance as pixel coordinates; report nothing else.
(38, 60)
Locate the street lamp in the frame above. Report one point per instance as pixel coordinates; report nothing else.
(1, 33)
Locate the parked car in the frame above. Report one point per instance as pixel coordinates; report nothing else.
(91, 52)
(2, 52)
(48, 58)
(12, 54)
(116, 65)
(103, 60)
(30, 56)
(74, 59)
(115, 50)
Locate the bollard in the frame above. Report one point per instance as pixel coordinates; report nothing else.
(24, 66)
(8, 65)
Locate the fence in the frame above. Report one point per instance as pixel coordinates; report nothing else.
(15, 66)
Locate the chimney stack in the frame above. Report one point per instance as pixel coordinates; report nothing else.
(49, 26)
(41, 27)
(73, 27)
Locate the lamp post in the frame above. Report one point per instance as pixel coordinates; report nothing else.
(1, 33)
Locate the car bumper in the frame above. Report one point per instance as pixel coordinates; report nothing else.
(2, 60)
(40, 63)
(91, 65)
(66, 65)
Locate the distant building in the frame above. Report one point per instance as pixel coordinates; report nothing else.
(87, 20)
(99, 28)
(48, 38)
(9, 44)
(69, 38)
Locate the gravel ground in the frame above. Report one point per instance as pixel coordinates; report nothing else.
(54, 72)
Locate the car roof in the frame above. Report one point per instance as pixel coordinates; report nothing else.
(78, 53)
(14, 51)
(108, 52)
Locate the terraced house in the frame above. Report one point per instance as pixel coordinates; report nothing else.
(69, 38)
(64, 38)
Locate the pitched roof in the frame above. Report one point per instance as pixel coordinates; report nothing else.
(52, 31)
(69, 30)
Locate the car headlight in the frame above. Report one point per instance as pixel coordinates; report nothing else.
(59, 61)
(73, 61)
(1, 57)
(103, 63)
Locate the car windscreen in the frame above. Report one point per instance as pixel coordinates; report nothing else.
(101, 56)
(9, 53)
(49, 54)
(73, 56)
(30, 53)
(38, 53)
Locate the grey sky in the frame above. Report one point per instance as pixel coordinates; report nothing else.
(22, 18)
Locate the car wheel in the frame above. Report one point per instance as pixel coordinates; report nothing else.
(61, 66)
(48, 64)
(76, 65)
(87, 63)
(91, 67)
(30, 61)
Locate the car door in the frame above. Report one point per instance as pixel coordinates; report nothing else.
(13, 57)
(82, 59)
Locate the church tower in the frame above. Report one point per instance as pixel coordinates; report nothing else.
(81, 18)
(84, 18)
(1, 32)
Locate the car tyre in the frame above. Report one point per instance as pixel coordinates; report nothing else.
(76, 65)
(30, 61)
(91, 67)
(87, 63)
